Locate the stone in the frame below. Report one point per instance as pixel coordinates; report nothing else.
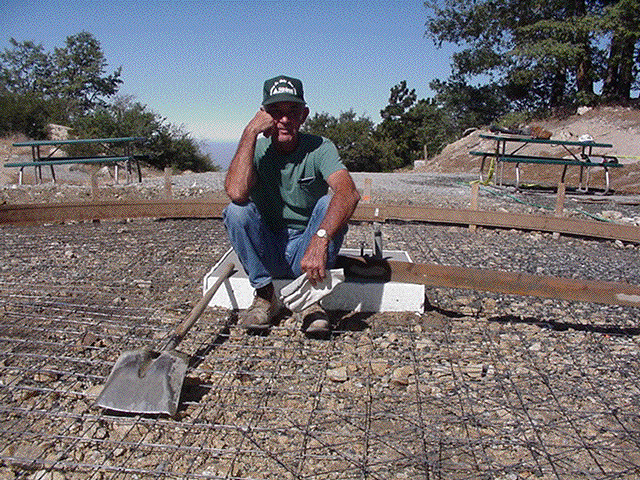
(338, 374)
(401, 375)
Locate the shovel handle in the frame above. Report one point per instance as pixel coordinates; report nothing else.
(186, 325)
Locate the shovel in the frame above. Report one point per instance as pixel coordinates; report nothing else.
(144, 381)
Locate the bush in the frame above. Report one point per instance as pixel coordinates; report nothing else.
(174, 148)
(353, 137)
(25, 114)
(166, 145)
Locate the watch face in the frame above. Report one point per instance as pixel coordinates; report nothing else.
(322, 233)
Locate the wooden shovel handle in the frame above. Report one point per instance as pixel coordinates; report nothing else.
(186, 325)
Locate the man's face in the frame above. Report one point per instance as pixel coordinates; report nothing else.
(289, 117)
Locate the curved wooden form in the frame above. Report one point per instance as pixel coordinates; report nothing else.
(203, 208)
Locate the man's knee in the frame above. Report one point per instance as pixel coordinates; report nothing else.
(238, 214)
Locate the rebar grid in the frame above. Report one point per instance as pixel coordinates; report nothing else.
(475, 387)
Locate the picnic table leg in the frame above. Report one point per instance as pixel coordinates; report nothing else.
(585, 188)
(588, 179)
(128, 167)
(606, 180)
(37, 171)
(564, 173)
(498, 165)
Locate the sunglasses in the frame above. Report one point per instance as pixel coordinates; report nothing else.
(289, 112)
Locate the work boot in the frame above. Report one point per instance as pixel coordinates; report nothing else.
(315, 322)
(260, 314)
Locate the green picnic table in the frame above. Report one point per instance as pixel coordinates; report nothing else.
(510, 149)
(114, 151)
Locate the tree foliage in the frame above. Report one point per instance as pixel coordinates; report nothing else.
(26, 69)
(542, 54)
(409, 127)
(353, 137)
(622, 21)
(74, 75)
(464, 106)
(80, 74)
(28, 114)
(167, 145)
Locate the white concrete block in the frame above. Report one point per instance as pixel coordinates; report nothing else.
(352, 295)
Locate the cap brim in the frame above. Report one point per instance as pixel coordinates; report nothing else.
(283, 97)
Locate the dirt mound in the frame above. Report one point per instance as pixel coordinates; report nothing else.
(617, 126)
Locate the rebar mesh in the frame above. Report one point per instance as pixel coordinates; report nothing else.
(476, 387)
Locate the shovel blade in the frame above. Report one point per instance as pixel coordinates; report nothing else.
(143, 381)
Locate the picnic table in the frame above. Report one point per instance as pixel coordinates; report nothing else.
(113, 151)
(512, 149)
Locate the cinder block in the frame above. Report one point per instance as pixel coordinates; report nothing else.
(351, 295)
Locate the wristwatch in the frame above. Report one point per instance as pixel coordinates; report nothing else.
(322, 233)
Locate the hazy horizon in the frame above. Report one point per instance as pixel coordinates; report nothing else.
(220, 151)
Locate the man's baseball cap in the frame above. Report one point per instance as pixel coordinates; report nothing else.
(282, 89)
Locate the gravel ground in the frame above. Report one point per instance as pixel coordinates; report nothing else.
(478, 386)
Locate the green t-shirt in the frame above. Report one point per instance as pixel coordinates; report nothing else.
(289, 186)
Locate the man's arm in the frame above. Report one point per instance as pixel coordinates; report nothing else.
(343, 203)
(241, 176)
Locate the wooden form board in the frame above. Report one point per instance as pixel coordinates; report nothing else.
(203, 208)
(510, 283)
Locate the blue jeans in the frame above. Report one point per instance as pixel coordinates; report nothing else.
(266, 254)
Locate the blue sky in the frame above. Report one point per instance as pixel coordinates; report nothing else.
(201, 64)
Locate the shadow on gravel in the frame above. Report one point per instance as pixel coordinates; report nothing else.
(223, 335)
(442, 311)
(564, 326)
(355, 322)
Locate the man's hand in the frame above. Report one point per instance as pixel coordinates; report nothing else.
(343, 203)
(263, 123)
(314, 261)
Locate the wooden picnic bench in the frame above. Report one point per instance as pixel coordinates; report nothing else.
(508, 147)
(115, 151)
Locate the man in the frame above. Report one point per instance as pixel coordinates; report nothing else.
(281, 221)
